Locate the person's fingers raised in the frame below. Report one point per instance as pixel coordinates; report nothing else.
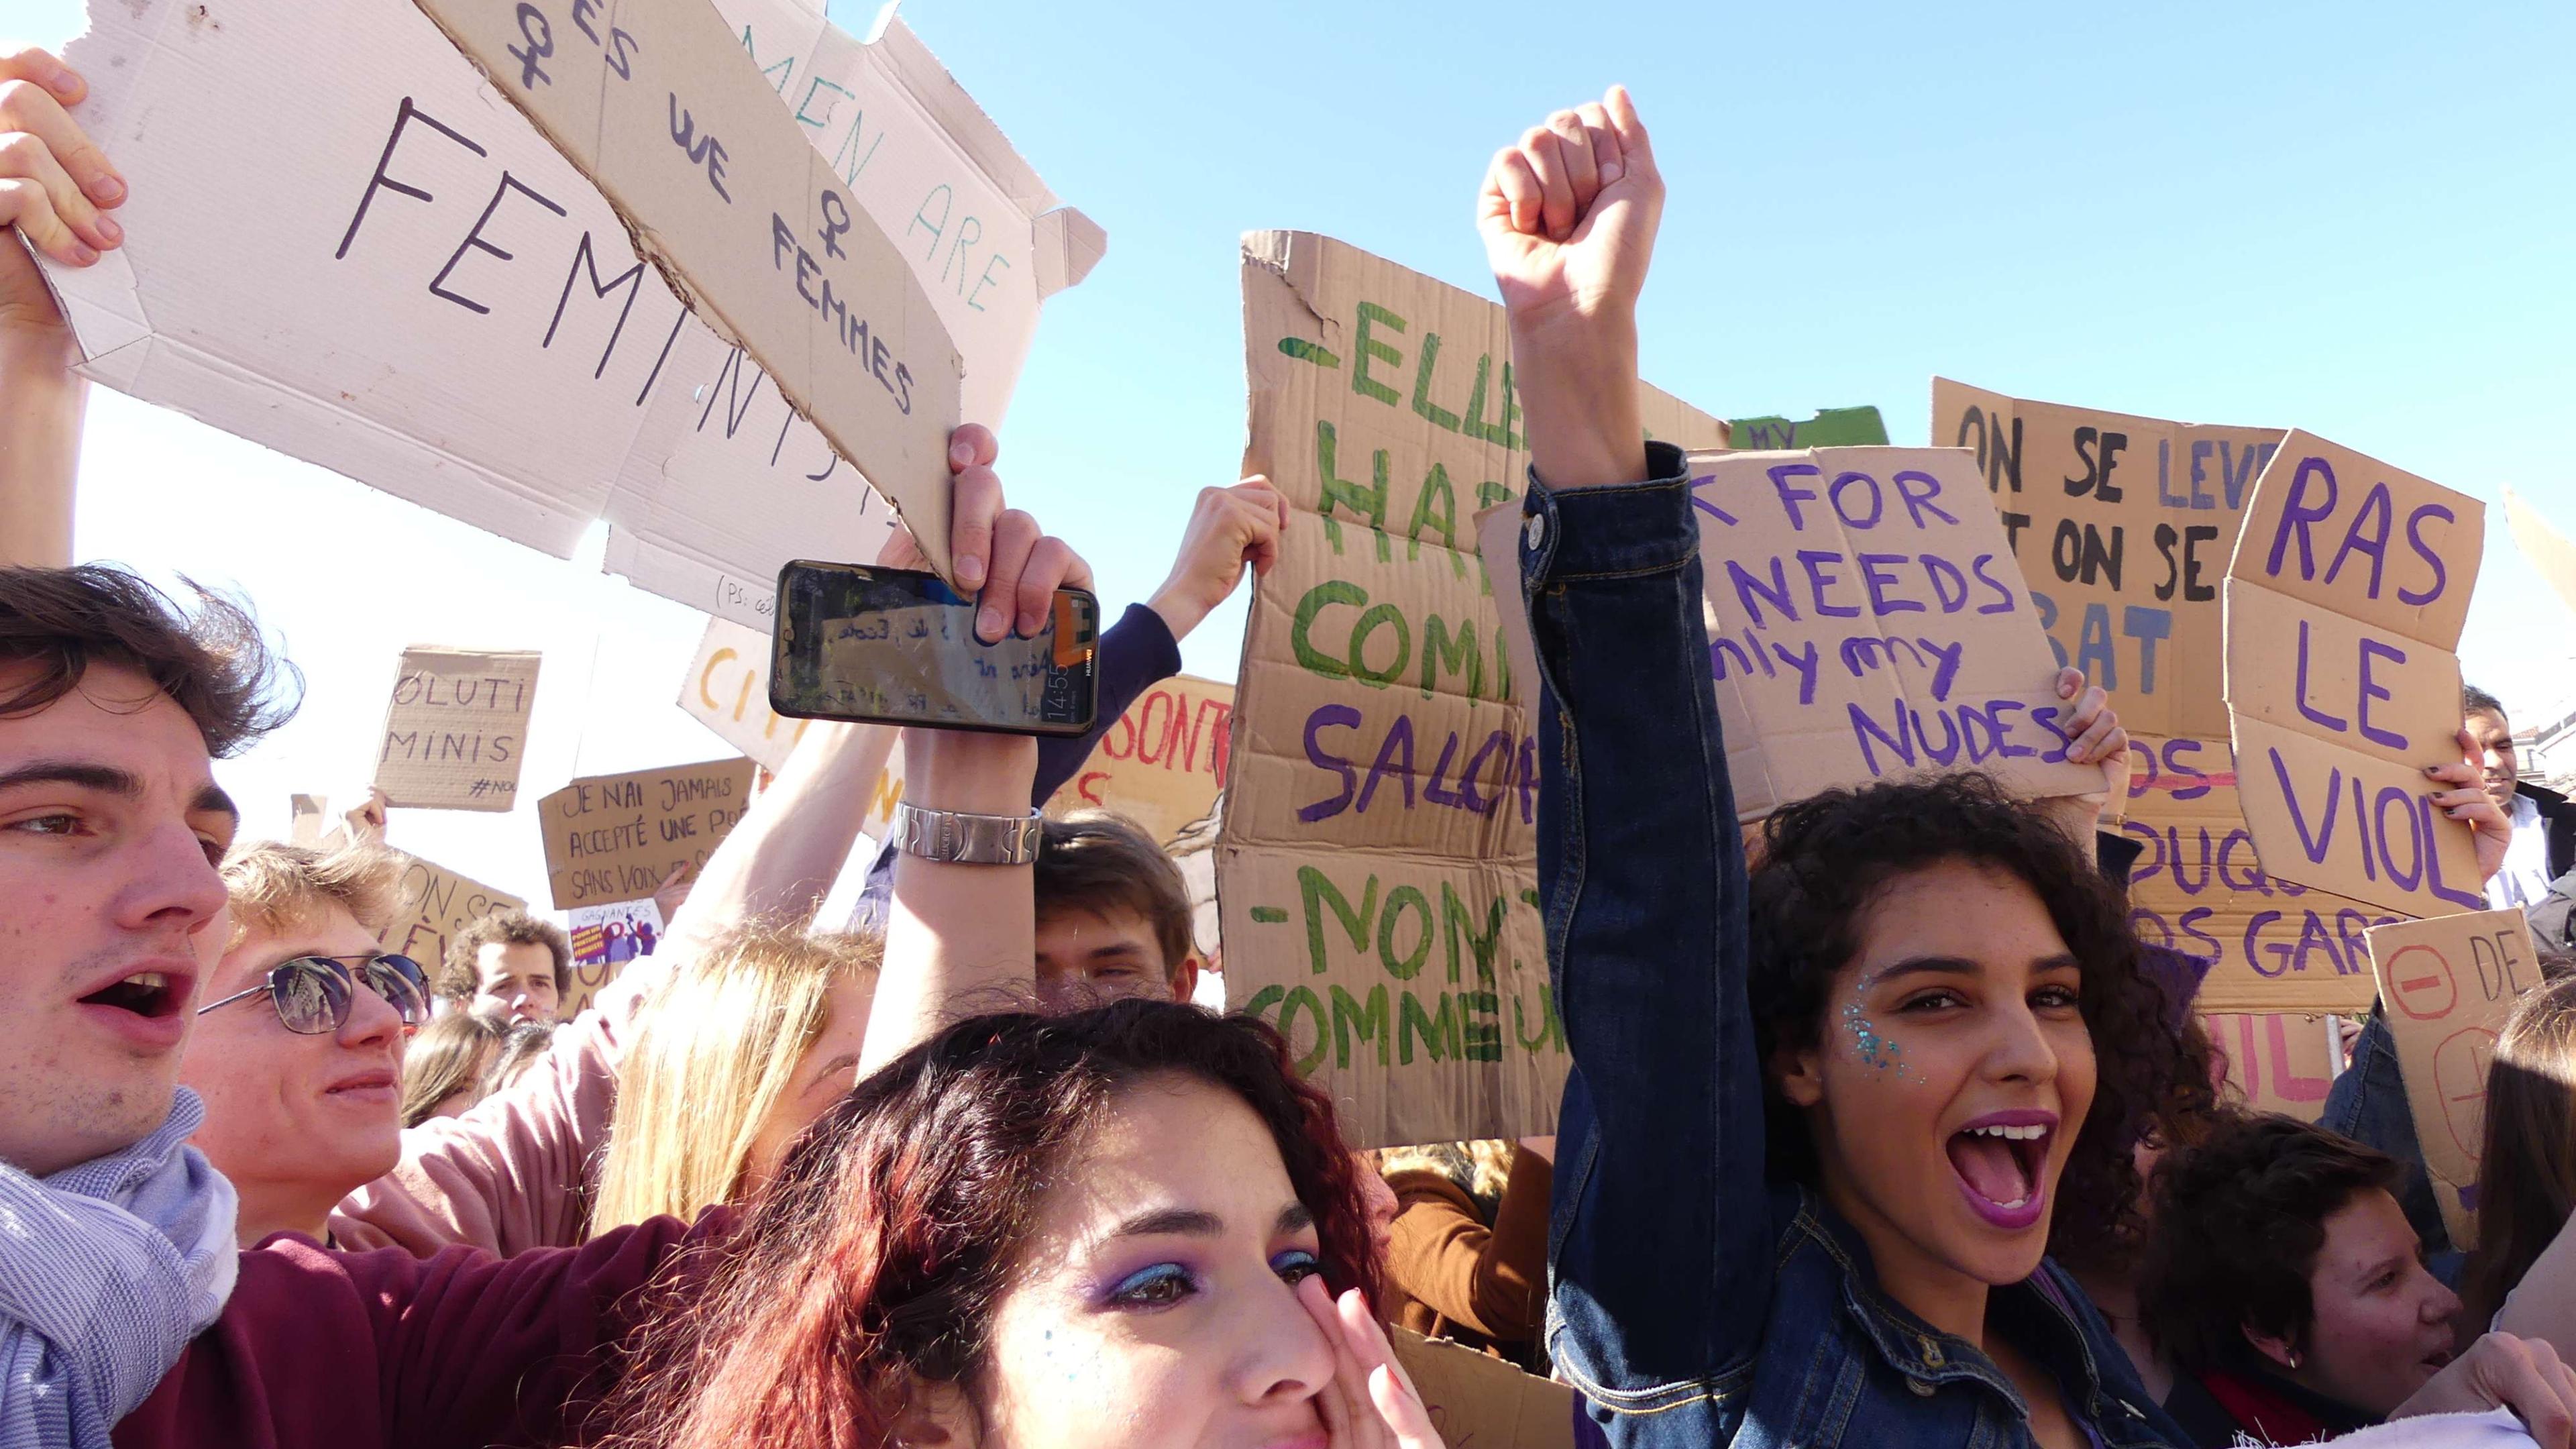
(972, 445)
(974, 504)
(1015, 536)
(1582, 172)
(1049, 565)
(1636, 151)
(1546, 158)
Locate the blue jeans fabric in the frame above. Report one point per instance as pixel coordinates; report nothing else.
(1693, 1302)
(2367, 1103)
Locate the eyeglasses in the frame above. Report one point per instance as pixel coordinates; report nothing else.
(312, 993)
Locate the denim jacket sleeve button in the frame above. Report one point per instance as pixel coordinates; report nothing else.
(1922, 1388)
(1932, 1353)
(1534, 532)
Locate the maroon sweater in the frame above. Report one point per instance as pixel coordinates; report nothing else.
(326, 1350)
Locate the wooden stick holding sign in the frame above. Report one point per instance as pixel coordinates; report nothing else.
(2344, 606)
(2446, 986)
(659, 105)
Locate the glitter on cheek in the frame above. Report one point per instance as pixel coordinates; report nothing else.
(1873, 1049)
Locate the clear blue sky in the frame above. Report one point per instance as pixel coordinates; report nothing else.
(2355, 219)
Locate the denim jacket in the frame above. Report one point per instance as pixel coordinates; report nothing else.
(1693, 1303)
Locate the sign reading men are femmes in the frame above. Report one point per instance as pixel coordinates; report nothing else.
(654, 101)
(1377, 868)
(2345, 600)
(456, 730)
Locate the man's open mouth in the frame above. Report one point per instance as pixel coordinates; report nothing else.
(148, 994)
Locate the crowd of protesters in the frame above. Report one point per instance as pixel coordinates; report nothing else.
(1883, 1128)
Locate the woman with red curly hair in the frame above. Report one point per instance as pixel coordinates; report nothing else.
(1124, 1226)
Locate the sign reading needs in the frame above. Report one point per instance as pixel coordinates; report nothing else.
(1377, 867)
(2447, 984)
(725, 193)
(456, 731)
(615, 838)
(2344, 604)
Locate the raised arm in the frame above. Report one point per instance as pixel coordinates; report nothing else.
(55, 191)
(1641, 869)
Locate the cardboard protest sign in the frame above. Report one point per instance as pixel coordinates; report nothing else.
(727, 690)
(2276, 1063)
(1478, 1401)
(605, 939)
(304, 819)
(1865, 621)
(2122, 525)
(712, 182)
(2199, 887)
(435, 905)
(2447, 984)
(456, 730)
(2543, 545)
(1829, 428)
(612, 838)
(436, 303)
(2344, 604)
(1162, 763)
(1377, 865)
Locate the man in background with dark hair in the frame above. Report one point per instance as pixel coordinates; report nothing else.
(509, 966)
(2544, 822)
(1113, 915)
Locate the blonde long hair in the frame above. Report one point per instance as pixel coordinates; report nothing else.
(715, 1048)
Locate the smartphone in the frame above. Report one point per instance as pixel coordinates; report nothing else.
(890, 646)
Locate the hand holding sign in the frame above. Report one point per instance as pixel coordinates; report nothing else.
(2467, 801)
(1230, 527)
(55, 185)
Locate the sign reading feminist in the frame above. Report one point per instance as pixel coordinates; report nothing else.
(2345, 600)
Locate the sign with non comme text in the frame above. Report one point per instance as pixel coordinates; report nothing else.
(725, 193)
(439, 305)
(2199, 887)
(435, 905)
(727, 690)
(1377, 866)
(2446, 985)
(456, 730)
(616, 837)
(2345, 599)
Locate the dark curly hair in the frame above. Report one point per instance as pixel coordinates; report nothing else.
(875, 1261)
(460, 974)
(1825, 859)
(212, 663)
(2239, 1217)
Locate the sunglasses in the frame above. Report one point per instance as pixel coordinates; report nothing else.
(312, 993)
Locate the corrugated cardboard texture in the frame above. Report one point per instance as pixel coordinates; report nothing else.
(744, 218)
(436, 904)
(1377, 867)
(456, 730)
(2344, 604)
(2276, 1063)
(2448, 984)
(1478, 1401)
(1162, 762)
(2123, 526)
(437, 304)
(615, 837)
(727, 690)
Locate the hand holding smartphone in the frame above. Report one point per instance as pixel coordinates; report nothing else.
(893, 646)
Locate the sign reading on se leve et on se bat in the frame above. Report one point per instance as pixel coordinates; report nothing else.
(656, 104)
(2448, 983)
(2345, 600)
(456, 729)
(435, 905)
(615, 838)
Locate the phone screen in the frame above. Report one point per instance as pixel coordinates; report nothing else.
(896, 647)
